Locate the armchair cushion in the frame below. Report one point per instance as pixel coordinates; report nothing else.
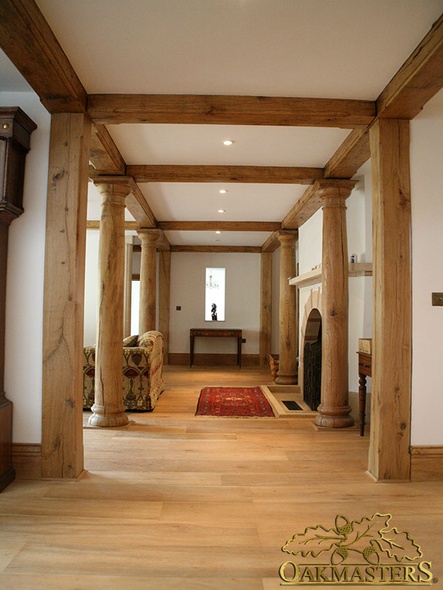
(130, 341)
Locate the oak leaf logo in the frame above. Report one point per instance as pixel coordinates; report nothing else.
(369, 537)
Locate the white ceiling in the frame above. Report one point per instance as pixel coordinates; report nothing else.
(300, 48)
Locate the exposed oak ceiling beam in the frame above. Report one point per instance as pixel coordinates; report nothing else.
(417, 81)
(251, 174)
(229, 110)
(30, 44)
(218, 249)
(219, 225)
(104, 154)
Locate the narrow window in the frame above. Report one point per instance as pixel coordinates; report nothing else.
(215, 295)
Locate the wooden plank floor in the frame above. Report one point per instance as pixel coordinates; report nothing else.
(178, 501)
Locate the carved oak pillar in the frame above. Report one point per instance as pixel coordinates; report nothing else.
(287, 372)
(108, 409)
(127, 304)
(148, 280)
(334, 409)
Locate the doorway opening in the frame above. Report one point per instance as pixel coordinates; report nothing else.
(312, 360)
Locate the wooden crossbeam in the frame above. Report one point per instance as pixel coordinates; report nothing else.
(246, 174)
(219, 225)
(218, 249)
(417, 81)
(30, 44)
(104, 154)
(229, 110)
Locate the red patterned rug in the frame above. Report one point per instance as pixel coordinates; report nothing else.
(233, 401)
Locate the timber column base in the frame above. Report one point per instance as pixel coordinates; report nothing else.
(105, 417)
(335, 417)
(286, 379)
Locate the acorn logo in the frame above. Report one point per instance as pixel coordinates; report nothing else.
(358, 552)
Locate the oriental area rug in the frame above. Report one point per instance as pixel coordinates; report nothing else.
(241, 402)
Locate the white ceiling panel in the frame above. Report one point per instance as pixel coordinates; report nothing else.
(203, 144)
(211, 238)
(319, 48)
(201, 201)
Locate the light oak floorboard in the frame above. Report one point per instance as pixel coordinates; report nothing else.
(174, 501)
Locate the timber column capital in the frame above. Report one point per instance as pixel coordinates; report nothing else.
(148, 236)
(114, 188)
(287, 237)
(327, 189)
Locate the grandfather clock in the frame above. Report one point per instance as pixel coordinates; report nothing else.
(15, 132)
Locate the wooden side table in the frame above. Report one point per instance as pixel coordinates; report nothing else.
(364, 370)
(215, 333)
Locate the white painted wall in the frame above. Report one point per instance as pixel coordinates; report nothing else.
(242, 300)
(24, 296)
(427, 265)
(91, 286)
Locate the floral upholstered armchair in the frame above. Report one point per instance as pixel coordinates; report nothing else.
(142, 372)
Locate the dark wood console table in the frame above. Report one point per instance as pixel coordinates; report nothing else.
(364, 370)
(215, 333)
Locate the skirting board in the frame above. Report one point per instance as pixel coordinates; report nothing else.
(27, 460)
(427, 463)
(214, 360)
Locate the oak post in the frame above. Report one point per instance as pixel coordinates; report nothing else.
(108, 409)
(287, 372)
(127, 304)
(63, 307)
(389, 457)
(265, 307)
(148, 280)
(334, 410)
(164, 292)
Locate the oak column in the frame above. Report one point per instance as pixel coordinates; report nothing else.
(127, 305)
(108, 409)
(148, 280)
(287, 372)
(265, 307)
(389, 457)
(63, 307)
(334, 410)
(164, 292)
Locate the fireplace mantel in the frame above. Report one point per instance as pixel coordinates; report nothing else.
(314, 277)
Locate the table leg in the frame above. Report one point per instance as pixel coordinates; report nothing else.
(362, 401)
(191, 353)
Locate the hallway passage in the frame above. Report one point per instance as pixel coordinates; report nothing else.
(175, 501)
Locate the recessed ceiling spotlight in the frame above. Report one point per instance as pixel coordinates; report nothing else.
(222, 191)
(221, 210)
(218, 232)
(228, 142)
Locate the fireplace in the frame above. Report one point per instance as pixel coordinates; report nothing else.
(310, 353)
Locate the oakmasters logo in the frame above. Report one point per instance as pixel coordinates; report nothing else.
(361, 552)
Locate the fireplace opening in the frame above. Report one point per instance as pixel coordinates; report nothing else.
(312, 360)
